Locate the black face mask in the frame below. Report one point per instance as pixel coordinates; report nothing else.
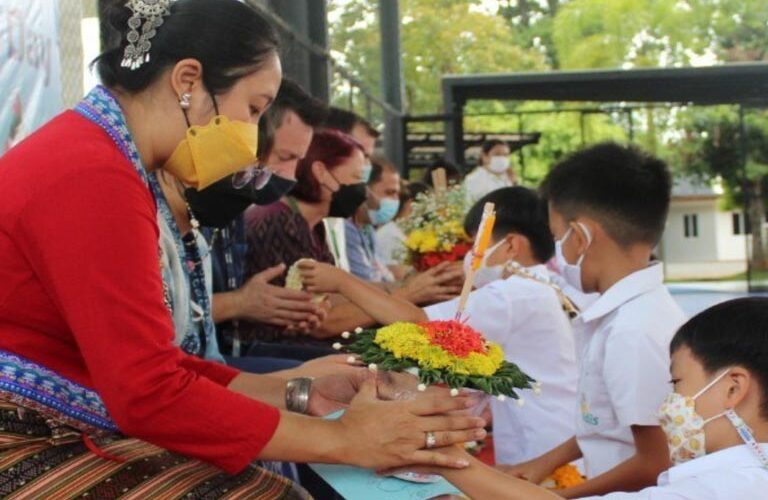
(220, 203)
(348, 198)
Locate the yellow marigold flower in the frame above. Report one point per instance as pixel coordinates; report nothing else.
(408, 340)
(404, 340)
(413, 242)
(429, 243)
(477, 364)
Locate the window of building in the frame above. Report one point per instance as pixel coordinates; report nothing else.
(740, 223)
(691, 225)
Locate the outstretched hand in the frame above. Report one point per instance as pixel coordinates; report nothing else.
(440, 283)
(319, 277)
(390, 434)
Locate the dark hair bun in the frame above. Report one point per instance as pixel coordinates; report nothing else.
(115, 14)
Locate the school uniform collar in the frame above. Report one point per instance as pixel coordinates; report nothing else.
(540, 271)
(537, 271)
(626, 289)
(735, 457)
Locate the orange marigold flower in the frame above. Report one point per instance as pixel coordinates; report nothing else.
(455, 337)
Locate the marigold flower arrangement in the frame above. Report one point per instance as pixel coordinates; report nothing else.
(434, 230)
(443, 352)
(565, 476)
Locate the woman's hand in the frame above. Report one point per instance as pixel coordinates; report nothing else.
(319, 277)
(440, 283)
(333, 364)
(335, 389)
(259, 301)
(388, 434)
(332, 393)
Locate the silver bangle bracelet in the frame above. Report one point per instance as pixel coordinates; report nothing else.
(297, 394)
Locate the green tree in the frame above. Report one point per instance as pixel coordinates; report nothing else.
(736, 32)
(531, 22)
(735, 29)
(712, 147)
(624, 33)
(438, 37)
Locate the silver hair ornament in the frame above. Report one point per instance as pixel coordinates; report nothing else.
(148, 16)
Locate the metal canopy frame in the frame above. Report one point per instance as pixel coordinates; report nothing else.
(739, 84)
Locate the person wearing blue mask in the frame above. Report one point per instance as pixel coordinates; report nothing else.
(360, 233)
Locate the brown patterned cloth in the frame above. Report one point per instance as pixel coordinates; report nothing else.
(42, 459)
(279, 234)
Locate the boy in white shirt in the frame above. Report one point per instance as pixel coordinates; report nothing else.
(715, 421)
(607, 208)
(516, 306)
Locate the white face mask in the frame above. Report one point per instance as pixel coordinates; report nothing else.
(499, 164)
(571, 273)
(485, 274)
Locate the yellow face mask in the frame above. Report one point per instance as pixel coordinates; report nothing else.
(211, 152)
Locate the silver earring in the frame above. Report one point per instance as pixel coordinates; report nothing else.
(184, 101)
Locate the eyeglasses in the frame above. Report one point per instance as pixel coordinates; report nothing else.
(256, 175)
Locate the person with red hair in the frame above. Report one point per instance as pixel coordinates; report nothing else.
(329, 184)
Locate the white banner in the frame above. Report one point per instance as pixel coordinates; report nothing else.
(30, 68)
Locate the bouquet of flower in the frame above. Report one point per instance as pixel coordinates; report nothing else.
(443, 352)
(434, 230)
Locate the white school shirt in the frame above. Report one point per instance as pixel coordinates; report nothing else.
(482, 181)
(622, 346)
(526, 318)
(731, 474)
(390, 244)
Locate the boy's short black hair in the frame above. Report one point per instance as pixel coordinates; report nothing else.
(621, 187)
(518, 210)
(733, 333)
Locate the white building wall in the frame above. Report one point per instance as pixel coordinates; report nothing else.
(701, 248)
(716, 252)
(730, 247)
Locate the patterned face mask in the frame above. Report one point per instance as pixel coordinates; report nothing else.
(683, 426)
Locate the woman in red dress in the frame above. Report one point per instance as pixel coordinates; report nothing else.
(95, 399)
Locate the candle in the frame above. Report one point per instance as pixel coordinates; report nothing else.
(482, 240)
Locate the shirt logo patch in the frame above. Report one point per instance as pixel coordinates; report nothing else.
(586, 415)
